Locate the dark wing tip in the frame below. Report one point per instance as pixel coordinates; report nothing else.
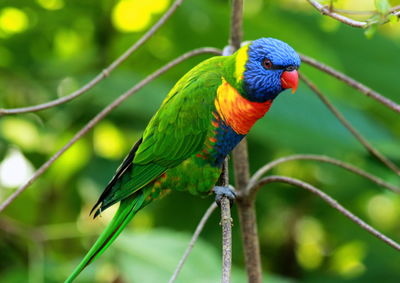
(101, 206)
(103, 201)
(99, 202)
(97, 213)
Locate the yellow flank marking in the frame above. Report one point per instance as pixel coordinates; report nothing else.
(241, 59)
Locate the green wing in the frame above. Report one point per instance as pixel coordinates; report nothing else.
(177, 131)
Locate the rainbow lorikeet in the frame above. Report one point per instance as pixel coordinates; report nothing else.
(205, 115)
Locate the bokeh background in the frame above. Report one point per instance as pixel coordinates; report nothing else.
(49, 48)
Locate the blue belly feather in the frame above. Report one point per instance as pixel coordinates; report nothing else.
(227, 139)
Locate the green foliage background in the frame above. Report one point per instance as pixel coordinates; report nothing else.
(64, 44)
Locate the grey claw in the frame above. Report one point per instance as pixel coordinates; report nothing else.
(221, 192)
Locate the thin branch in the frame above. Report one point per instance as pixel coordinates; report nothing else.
(224, 179)
(355, 133)
(101, 115)
(395, 9)
(247, 215)
(392, 10)
(263, 170)
(192, 242)
(326, 11)
(241, 165)
(226, 220)
(105, 73)
(333, 203)
(246, 207)
(351, 12)
(352, 83)
(226, 223)
(250, 238)
(236, 24)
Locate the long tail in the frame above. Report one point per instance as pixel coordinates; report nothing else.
(127, 209)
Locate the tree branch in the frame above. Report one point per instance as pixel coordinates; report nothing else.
(250, 239)
(192, 242)
(351, 12)
(394, 10)
(351, 82)
(263, 170)
(236, 34)
(246, 208)
(345, 123)
(326, 11)
(105, 73)
(332, 202)
(103, 114)
(226, 223)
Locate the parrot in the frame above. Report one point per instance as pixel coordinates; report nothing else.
(203, 117)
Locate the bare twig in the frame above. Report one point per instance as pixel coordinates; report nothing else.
(195, 236)
(352, 83)
(250, 239)
(105, 73)
(225, 173)
(260, 172)
(226, 223)
(325, 10)
(226, 220)
(236, 24)
(351, 12)
(395, 9)
(246, 209)
(247, 215)
(392, 10)
(333, 203)
(101, 115)
(355, 133)
(241, 165)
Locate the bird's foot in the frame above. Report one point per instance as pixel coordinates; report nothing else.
(221, 192)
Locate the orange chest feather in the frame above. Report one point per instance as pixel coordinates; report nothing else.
(237, 112)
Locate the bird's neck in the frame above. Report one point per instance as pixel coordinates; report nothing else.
(236, 111)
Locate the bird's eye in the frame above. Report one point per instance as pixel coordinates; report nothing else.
(267, 64)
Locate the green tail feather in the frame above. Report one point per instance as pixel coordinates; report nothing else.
(127, 209)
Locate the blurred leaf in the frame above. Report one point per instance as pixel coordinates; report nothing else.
(371, 30)
(108, 141)
(51, 4)
(67, 86)
(148, 257)
(382, 6)
(329, 25)
(13, 20)
(393, 19)
(21, 132)
(347, 260)
(15, 169)
(73, 160)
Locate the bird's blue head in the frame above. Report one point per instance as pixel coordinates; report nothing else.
(268, 67)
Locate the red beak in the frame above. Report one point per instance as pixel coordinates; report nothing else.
(290, 79)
